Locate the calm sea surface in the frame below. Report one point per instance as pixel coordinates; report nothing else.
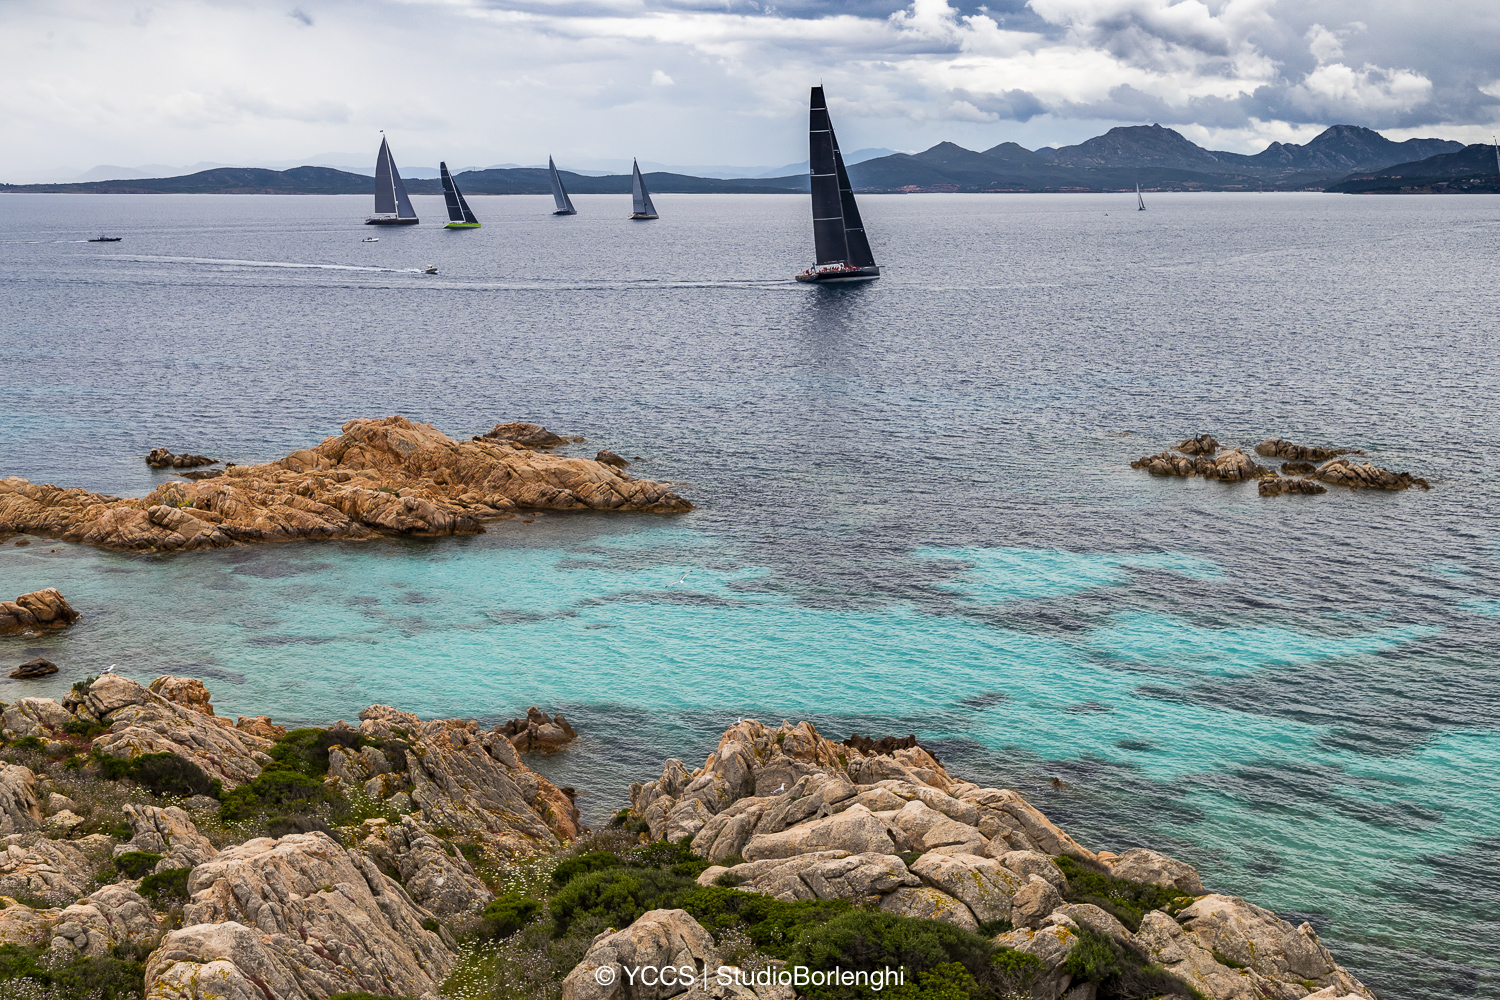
(915, 508)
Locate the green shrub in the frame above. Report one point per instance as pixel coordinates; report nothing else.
(431, 924)
(82, 687)
(280, 791)
(865, 939)
(84, 729)
(119, 975)
(616, 896)
(306, 750)
(169, 774)
(773, 925)
(1127, 901)
(581, 864)
(1096, 958)
(280, 826)
(949, 981)
(29, 743)
(166, 887)
(507, 914)
(136, 864)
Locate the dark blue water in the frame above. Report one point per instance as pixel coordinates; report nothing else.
(915, 511)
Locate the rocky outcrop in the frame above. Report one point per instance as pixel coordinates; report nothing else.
(114, 915)
(538, 732)
(1277, 448)
(1152, 868)
(39, 609)
(34, 668)
(1034, 903)
(20, 808)
(1203, 444)
(1183, 955)
(1275, 486)
(436, 879)
(41, 717)
(862, 878)
(1261, 941)
(260, 725)
(141, 721)
(168, 832)
(610, 458)
(527, 435)
(1342, 472)
(1051, 946)
(391, 476)
(297, 918)
(1232, 465)
(52, 869)
(458, 777)
(161, 458)
(188, 692)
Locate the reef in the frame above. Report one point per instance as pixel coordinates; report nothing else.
(37, 610)
(379, 476)
(1202, 456)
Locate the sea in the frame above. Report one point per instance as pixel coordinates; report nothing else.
(915, 511)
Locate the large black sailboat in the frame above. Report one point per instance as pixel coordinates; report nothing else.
(392, 206)
(838, 232)
(460, 216)
(559, 193)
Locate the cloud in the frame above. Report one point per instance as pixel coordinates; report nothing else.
(483, 81)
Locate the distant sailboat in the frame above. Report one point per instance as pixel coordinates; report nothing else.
(838, 233)
(559, 193)
(392, 206)
(642, 207)
(1140, 203)
(459, 214)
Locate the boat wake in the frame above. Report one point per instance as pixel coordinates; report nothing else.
(292, 265)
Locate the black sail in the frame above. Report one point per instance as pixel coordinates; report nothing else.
(385, 186)
(825, 170)
(640, 197)
(559, 193)
(450, 195)
(468, 215)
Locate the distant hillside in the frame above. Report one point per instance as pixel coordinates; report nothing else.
(1154, 157)
(326, 180)
(1471, 170)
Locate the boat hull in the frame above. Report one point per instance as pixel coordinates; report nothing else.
(389, 220)
(842, 277)
(643, 215)
(566, 212)
(462, 225)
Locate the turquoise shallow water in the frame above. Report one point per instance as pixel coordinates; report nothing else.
(915, 507)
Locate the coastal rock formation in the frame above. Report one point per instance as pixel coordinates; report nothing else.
(1232, 465)
(538, 731)
(52, 869)
(38, 609)
(1297, 468)
(161, 458)
(168, 832)
(188, 692)
(1276, 486)
(610, 458)
(527, 435)
(437, 881)
(260, 725)
(458, 777)
(296, 918)
(34, 668)
(389, 475)
(816, 819)
(141, 721)
(40, 717)
(1277, 448)
(20, 809)
(114, 915)
(1203, 444)
(1342, 472)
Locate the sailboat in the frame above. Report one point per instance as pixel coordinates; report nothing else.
(392, 206)
(838, 233)
(641, 198)
(1140, 203)
(459, 214)
(559, 193)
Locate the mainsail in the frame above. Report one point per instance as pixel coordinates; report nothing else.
(1140, 203)
(390, 193)
(838, 232)
(458, 209)
(643, 209)
(559, 193)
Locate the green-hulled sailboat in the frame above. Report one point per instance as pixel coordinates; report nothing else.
(460, 216)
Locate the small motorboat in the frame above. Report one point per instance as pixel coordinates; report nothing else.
(430, 269)
(106, 239)
(370, 239)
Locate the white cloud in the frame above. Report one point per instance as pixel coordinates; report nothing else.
(660, 79)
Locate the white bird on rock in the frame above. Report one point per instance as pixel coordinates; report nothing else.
(781, 789)
(109, 669)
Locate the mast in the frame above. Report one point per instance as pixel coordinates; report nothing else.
(823, 175)
(641, 198)
(559, 194)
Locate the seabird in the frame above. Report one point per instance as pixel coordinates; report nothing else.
(680, 578)
(781, 789)
(109, 669)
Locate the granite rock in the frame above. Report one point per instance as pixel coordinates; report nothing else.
(166, 831)
(658, 939)
(36, 610)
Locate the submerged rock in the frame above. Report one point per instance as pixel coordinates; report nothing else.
(34, 668)
(610, 458)
(161, 458)
(528, 435)
(1342, 472)
(1275, 487)
(538, 731)
(390, 475)
(1277, 448)
(38, 609)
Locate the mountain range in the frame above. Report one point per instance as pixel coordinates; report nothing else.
(1342, 158)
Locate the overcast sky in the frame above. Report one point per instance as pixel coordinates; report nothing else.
(477, 82)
